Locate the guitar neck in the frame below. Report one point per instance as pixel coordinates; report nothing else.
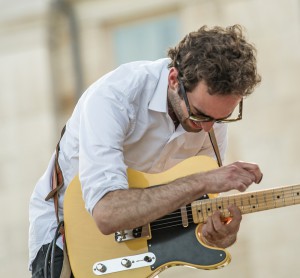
(247, 202)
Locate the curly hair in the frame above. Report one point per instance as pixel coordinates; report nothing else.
(220, 56)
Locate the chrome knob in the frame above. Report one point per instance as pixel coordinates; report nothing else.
(126, 263)
(147, 259)
(101, 268)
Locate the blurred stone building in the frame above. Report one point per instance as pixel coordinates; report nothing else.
(50, 51)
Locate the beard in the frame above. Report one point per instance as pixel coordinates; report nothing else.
(175, 110)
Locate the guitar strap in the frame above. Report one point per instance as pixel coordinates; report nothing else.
(57, 184)
(57, 180)
(214, 143)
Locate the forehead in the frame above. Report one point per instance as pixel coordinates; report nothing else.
(216, 105)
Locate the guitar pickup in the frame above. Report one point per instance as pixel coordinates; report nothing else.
(140, 232)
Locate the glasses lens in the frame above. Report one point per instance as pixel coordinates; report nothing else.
(236, 115)
(200, 119)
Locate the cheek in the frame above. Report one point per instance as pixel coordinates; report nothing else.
(180, 108)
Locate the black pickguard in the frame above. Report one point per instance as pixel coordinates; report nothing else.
(180, 244)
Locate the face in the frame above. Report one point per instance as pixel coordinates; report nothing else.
(201, 103)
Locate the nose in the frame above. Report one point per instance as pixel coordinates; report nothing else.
(206, 126)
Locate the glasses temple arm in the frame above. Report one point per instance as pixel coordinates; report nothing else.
(183, 93)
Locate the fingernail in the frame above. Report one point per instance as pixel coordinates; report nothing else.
(260, 179)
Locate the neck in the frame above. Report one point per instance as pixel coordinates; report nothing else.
(247, 202)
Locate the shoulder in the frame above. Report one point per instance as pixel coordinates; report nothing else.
(138, 75)
(129, 80)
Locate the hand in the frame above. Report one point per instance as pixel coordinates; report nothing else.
(238, 175)
(218, 233)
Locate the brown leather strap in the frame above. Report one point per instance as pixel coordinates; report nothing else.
(57, 178)
(214, 143)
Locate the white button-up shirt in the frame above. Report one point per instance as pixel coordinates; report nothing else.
(120, 121)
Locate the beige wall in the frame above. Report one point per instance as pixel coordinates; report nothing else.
(37, 95)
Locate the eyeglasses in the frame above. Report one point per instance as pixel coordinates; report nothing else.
(204, 118)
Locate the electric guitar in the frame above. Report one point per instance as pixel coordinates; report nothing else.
(169, 241)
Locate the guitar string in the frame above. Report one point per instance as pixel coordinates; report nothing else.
(269, 196)
(166, 223)
(210, 206)
(170, 225)
(232, 199)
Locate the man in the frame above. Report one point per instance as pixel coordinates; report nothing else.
(149, 116)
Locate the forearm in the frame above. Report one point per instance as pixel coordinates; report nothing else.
(127, 209)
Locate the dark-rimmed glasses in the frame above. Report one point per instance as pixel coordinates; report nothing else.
(205, 118)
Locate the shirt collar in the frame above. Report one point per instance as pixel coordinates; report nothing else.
(159, 100)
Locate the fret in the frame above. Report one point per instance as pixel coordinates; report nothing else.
(283, 197)
(196, 212)
(260, 202)
(293, 196)
(247, 202)
(227, 201)
(204, 211)
(242, 208)
(225, 211)
(209, 208)
(219, 204)
(270, 199)
(214, 205)
(265, 199)
(253, 202)
(288, 196)
(278, 198)
(239, 202)
(296, 194)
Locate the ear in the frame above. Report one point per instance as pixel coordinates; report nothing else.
(172, 78)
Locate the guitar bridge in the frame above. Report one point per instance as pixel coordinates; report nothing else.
(140, 232)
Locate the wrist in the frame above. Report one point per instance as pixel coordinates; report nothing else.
(204, 240)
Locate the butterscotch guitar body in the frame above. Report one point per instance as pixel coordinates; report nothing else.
(93, 254)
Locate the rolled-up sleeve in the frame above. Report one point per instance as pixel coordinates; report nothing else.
(104, 123)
